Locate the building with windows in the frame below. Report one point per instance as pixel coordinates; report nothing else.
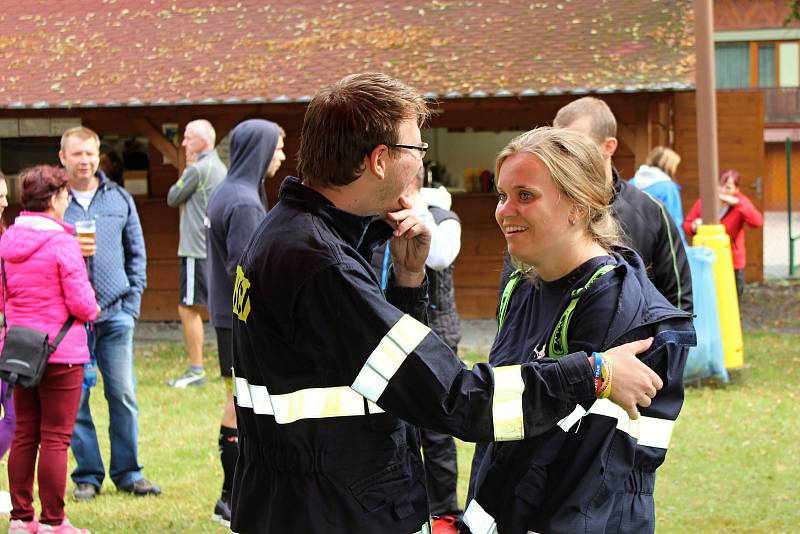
(758, 49)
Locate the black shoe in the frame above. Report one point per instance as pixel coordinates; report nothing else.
(142, 487)
(85, 491)
(222, 513)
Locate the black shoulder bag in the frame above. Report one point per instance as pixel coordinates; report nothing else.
(25, 351)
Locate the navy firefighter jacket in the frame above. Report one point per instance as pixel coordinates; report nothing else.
(595, 471)
(327, 367)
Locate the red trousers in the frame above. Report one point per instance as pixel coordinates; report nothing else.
(45, 418)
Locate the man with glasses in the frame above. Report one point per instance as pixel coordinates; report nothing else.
(328, 366)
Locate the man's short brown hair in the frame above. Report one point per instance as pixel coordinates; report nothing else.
(81, 132)
(603, 124)
(346, 120)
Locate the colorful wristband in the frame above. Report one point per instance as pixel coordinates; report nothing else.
(598, 371)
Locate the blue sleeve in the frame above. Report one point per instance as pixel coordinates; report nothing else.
(672, 201)
(135, 260)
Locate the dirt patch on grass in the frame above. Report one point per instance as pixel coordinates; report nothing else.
(772, 306)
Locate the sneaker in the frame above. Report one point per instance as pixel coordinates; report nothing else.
(18, 526)
(5, 502)
(189, 378)
(64, 528)
(445, 524)
(141, 487)
(222, 513)
(85, 491)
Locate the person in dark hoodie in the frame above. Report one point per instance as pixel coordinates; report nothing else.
(235, 209)
(576, 290)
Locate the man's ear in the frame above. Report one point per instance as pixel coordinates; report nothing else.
(377, 161)
(610, 146)
(62, 157)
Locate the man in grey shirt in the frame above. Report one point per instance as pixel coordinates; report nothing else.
(190, 193)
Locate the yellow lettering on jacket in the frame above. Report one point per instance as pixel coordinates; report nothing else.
(241, 295)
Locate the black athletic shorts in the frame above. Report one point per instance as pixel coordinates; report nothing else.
(225, 349)
(194, 288)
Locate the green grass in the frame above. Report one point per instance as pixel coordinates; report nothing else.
(177, 446)
(732, 466)
(733, 463)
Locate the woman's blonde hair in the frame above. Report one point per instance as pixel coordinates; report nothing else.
(665, 159)
(577, 169)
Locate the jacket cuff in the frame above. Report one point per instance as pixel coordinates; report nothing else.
(579, 377)
(410, 300)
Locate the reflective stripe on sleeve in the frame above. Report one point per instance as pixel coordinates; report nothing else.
(388, 356)
(648, 431)
(478, 520)
(311, 403)
(507, 403)
(426, 529)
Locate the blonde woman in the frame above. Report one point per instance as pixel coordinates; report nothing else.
(575, 290)
(657, 178)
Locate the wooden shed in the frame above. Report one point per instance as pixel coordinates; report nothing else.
(133, 71)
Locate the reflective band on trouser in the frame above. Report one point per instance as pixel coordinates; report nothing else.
(478, 521)
(312, 403)
(507, 403)
(388, 356)
(426, 529)
(648, 431)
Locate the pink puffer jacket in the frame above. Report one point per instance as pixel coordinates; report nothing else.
(47, 282)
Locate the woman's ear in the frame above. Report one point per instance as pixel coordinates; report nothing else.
(577, 212)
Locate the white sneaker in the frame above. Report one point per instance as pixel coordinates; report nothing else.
(189, 379)
(5, 502)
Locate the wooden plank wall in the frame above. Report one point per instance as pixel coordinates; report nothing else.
(476, 274)
(740, 127)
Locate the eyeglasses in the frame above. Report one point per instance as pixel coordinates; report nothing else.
(423, 148)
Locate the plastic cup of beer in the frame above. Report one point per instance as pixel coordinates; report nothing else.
(87, 229)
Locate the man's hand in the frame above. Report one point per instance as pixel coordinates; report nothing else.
(632, 382)
(88, 245)
(409, 246)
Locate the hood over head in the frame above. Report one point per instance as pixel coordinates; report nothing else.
(253, 144)
(648, 175)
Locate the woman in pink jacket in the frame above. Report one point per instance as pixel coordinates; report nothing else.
(46, 282)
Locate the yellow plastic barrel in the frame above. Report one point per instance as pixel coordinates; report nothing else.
(716, 238)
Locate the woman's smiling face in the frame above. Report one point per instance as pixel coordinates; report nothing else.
(531, 212)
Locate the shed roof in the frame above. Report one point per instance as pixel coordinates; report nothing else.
(104, 53)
